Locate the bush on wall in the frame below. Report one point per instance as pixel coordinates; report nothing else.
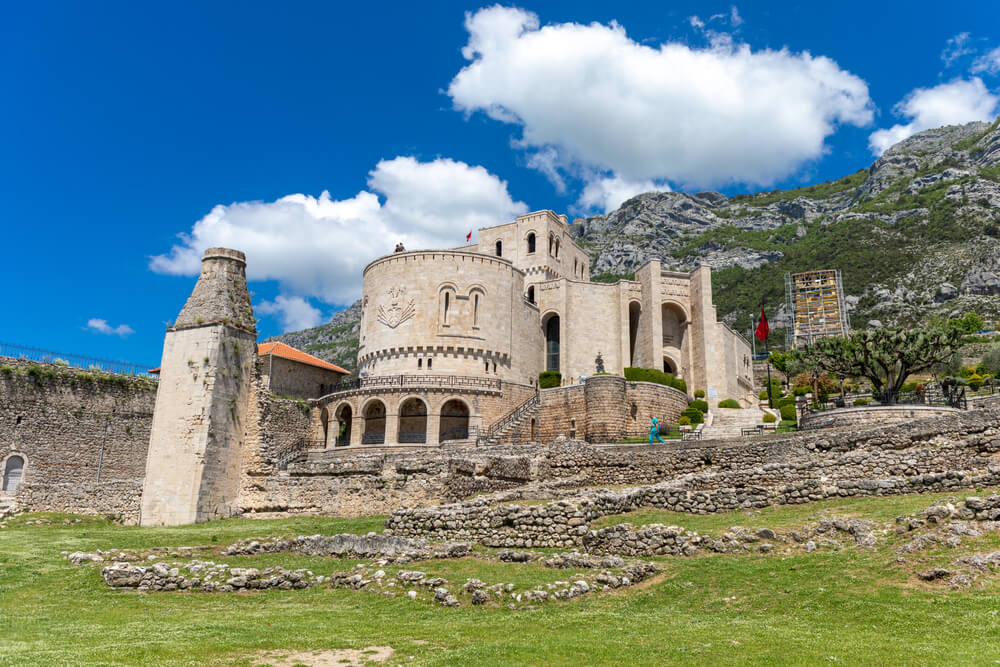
(701, 405)
(549, 379)
(694, 414)
(636, 374)
(788, 413)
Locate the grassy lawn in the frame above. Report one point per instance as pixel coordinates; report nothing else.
(846, 607)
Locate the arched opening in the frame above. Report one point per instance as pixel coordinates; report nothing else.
(552, 244)
(499, 248)
(447, 306)
(454, 421)
(413, 421)
(475, 310)
(634, 313)
(344, 415)
(552, 343)
(12, 472)
(668, 366)
(531, 243)
(324, 420)
(531, 294)
(557, 249)
(374, 424)
(673, 322)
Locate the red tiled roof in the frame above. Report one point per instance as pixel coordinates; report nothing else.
(291, 353)
(288, 352)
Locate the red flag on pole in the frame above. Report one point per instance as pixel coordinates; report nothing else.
(762, 329)
(468, 237)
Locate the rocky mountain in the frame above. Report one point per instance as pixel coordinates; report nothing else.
(336, 341)
(915, 234)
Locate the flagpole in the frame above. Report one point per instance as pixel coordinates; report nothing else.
(767, 362)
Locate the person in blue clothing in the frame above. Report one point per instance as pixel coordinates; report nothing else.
(654, 431)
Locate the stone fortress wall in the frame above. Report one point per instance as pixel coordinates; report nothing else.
(82, 436)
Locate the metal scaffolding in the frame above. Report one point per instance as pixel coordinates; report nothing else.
(815, 300)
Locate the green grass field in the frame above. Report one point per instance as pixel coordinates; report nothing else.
(846, 607)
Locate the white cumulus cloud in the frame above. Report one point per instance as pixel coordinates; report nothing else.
(295, 312)
(952, 103)
(988, 62)
(956, 47)
(317, 246)
(607, 194)
(102, 326)
(692, 116)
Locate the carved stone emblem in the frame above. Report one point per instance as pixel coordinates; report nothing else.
(400, 309)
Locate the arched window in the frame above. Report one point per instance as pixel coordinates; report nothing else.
(531, 294)
(531, 243)
(343, 415)
(552, 243)
(499, 248)
(475, 310)
(12, 472)
(552, 343)
(420, 363)
(447, 305)
(634, 312)
(557, 249)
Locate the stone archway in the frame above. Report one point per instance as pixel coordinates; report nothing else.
(344, 418)
(454, 421)
(412, 421)
(374, 416)
(13, 472)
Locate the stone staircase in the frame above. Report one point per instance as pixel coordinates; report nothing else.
(515, 427)
(730, 422)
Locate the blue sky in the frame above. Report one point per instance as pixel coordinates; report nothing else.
(317, 135)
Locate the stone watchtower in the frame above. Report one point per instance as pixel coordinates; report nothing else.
(193, 465)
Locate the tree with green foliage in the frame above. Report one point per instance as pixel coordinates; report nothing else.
(886, 357)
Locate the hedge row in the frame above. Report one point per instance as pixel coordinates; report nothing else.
(636, 374)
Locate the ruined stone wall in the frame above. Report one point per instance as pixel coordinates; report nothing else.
(873, 415)
(935, 453)
(117, 500)
(70, 424)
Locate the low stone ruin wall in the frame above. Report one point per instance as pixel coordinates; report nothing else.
(119, 500)
(873, 415)
(563, 523)
(365, 484)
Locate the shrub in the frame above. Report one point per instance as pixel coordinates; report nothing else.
(991, 361)
(731, 403)
(975, 382)
(694, 414)
(684, 421)
(762, 395)
(769, 418)
(785, 426)
(860, 401)
(800, 390)
(549, 379)
(60, 362)
(6, 369)
(788, 413)
(909, 386)
(787, 400)
(701, 405)
(699, 393)
(636, 374)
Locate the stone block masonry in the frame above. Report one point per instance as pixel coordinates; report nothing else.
(195, 450)
(74, 429)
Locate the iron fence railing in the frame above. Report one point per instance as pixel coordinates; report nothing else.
(296, 450)
(39, 355)
(430, 381)
(934, 395)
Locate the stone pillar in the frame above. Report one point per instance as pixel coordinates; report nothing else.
(433, 427)
(606, 408)
(196, 441)
(391, 423)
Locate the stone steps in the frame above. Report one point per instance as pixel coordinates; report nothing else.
(514, 430)
(729, 423)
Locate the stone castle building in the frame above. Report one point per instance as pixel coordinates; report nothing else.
(484, 320)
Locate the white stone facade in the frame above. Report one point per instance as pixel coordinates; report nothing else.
(520, 301)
